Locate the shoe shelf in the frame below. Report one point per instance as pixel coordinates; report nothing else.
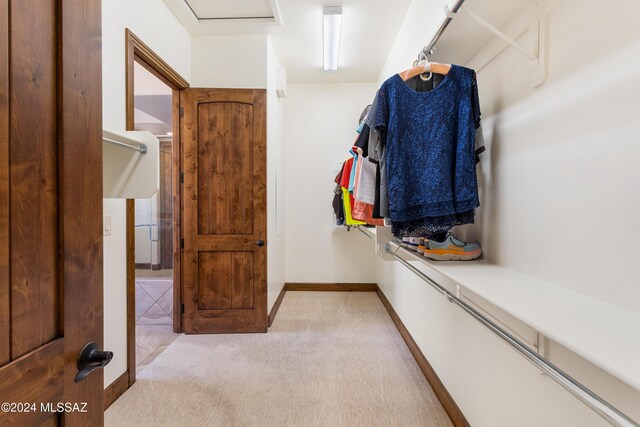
(603, 334)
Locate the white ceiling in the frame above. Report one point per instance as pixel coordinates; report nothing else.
(369, 28)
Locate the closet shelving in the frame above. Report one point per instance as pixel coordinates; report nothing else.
(601, 333)
(479, 30)
(370, 232)
(595, 330)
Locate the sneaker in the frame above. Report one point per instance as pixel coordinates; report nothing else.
(451, 249)
(414, 242)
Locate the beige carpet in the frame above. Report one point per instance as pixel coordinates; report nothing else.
(330, 359)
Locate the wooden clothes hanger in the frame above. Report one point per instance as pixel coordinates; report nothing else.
(423, 67)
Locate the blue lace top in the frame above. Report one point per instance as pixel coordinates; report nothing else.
(430, 146)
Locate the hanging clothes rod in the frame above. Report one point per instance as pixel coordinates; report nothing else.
(593, 401)
(449, 17)
(141, 148)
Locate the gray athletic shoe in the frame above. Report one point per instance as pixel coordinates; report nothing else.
(451, 249)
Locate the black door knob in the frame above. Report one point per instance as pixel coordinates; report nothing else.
(91, 358)
(260, 243)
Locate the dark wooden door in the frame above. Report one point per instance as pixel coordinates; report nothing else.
(165, 202)
(50, 210)
(224, 228)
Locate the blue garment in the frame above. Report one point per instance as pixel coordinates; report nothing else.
(430, 146)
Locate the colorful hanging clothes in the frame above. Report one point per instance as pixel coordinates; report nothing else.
(366, 182)
(364, 188)
(352, 173)
(347, 198)
(375, 150)
(345, 177)
(337, 203)
(364, 212)
(348, 202)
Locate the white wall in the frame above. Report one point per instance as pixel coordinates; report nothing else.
(275, 193)
(115, 289)
(320, 127)
(558, 185)
(232, 61)
(422, 18)
(155, 25)
(562, 158)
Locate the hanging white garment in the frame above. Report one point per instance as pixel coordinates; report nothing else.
(367, 183)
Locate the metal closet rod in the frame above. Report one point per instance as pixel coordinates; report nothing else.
(454, 9)
(141, 148)
(593, 401)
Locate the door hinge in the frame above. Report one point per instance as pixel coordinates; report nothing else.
(181, 177)
(181, 243)
(181, 112)
(181, 308)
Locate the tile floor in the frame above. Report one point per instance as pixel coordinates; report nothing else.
(154, 315)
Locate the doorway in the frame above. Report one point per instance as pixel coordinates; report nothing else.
(153, 276)
(221, 287)
(153, 227)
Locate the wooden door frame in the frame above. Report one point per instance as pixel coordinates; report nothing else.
(137, 51)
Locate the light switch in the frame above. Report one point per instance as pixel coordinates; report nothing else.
(107, 226)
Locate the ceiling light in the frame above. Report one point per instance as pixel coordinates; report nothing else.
(332, 24)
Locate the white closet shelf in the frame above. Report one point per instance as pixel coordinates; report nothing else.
(601, 333)
(369, 231)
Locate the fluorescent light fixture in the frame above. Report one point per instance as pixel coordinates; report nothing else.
(332, 25)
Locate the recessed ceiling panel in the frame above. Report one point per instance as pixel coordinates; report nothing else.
(236, 9)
